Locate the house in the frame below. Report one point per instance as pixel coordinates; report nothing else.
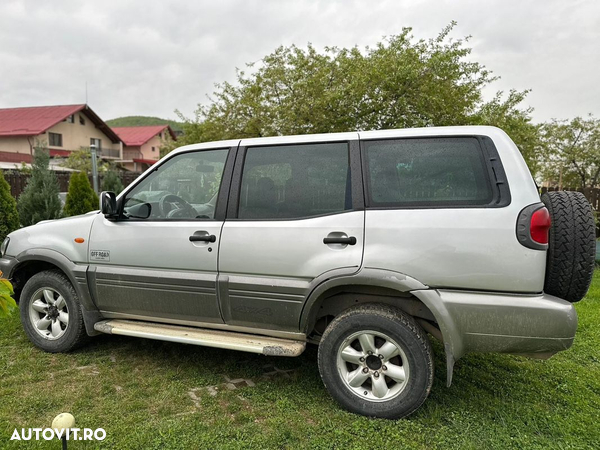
(63, 129)
(142, 145)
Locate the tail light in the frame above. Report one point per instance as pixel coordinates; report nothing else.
(533, 225)
(540, 225)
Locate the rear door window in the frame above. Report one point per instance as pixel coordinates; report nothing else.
(442, 172)
(295, 181)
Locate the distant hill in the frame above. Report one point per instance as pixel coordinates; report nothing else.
(138, 121)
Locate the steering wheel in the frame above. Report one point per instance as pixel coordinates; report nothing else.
(183, 209)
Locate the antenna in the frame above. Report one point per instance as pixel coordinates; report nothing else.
(86, 97)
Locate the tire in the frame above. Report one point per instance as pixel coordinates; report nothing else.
(571, 245)
(343, 341)
(44, 321)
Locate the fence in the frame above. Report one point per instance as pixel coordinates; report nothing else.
(18, 180)
(109, 153)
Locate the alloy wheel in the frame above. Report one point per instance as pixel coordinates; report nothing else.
(48, 313)
(373, 366)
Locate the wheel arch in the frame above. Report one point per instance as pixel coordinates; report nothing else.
(389, 287)
(34, 261)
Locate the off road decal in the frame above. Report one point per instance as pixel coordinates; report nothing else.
(100, 255)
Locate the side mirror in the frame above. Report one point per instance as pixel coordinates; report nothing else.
(108, 204)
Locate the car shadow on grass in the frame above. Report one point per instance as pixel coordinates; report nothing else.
(486, 382)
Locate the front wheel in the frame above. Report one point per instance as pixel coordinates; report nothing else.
(51, 314)
(375, 360)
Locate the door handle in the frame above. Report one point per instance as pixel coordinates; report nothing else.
(203, 238)
(340, 240)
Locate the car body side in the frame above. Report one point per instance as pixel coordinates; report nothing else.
(460, 271)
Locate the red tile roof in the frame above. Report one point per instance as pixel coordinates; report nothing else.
(136, 136)
(33, 120)
(145, 161)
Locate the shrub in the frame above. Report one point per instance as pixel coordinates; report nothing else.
(112, 182)
(9, 216)
(81, 198)
(39, 200)
(7, 303)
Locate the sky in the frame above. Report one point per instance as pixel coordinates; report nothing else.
(148, 57)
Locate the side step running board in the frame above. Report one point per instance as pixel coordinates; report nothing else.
(202, 336)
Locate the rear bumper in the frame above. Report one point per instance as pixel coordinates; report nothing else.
(534, 325)
(504, 323)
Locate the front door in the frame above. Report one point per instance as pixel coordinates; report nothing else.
(296, 214)
(163, 266)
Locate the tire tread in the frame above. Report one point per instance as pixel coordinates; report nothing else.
(79, 338)
(398, 316)
(571, 245)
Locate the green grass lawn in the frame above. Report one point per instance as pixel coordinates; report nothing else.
(149, 394)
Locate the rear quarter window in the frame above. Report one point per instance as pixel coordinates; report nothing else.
(441, 172)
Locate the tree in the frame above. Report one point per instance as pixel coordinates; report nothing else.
(7, 303)
(571, 152)
(112, 182)
(399, 83)
(81, 198)
(141, 121)
(81, 160)
(9, 216)
(39, 200)
(504, 113)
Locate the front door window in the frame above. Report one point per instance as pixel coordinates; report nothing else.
(184, 188)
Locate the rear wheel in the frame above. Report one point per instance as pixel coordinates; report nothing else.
(571, 245)
(375, 360)
(51, 313)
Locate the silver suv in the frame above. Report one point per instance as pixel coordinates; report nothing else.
(364, 243)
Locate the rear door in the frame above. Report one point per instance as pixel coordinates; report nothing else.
(164, 266)
(295, 213)
(440, 210)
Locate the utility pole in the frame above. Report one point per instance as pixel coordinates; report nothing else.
(94, 168)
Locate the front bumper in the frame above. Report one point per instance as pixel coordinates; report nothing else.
(7, 264)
